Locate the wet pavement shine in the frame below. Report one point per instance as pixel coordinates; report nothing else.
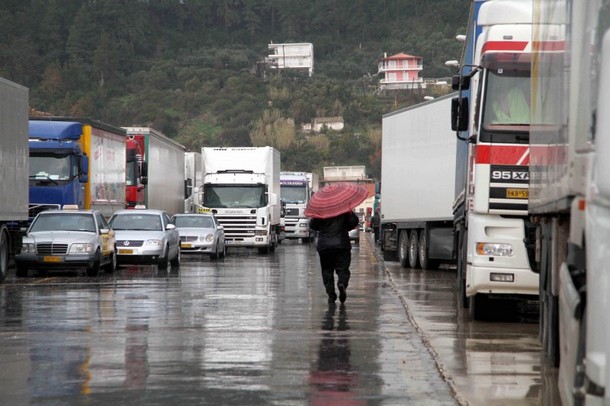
(256, 330)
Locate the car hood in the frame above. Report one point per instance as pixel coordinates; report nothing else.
(60, 236)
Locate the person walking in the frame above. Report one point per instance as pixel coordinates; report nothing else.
(334, 249)
(375, 223)
(331, 214)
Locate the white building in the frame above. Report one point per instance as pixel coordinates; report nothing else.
(298, 55)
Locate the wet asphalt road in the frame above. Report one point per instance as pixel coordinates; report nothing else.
(256, 330)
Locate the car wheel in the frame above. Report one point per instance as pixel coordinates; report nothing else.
(95, 269)
(214, 255)
(223, 253)
(176, 260)
(164, 261)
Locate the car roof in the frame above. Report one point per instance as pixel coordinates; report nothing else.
(193, 214)
(80, 211)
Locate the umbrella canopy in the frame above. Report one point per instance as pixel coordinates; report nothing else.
(335, 199)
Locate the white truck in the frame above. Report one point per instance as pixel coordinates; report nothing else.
(14, 103)
(163, 169)
(295, 194)
(241, 187)
(418, 171)
(493, 234)
(192, 179)
(570, 192)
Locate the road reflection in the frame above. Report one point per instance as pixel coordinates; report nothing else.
(334, 381)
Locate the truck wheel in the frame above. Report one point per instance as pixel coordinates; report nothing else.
(403, 248)
(4, 254)
(423, 250)
(95, 269)
(413, 250)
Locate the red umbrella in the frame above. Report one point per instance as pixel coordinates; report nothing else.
(335, 199)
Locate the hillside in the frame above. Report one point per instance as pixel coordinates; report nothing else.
(189, 68)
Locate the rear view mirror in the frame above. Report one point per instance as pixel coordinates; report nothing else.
(459, 114)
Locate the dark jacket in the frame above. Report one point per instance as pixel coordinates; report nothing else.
(334, 232)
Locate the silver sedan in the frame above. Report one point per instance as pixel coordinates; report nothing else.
(67, 239)
(146, 236)
(200, 234)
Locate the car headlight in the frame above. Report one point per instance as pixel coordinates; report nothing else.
(154, 243)
(494, 249)
(27, 247)
(209, 237)
(303, 225)
(80, 248)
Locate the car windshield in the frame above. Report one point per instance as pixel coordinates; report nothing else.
(234, 196)
(193, 222)
(64, 222)
(137, 221)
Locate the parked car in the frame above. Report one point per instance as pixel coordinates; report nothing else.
(145, 236)
(200, 233)
(67, 239)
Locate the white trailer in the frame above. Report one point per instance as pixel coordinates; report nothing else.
(193, 178)
(418, 172)
(241, 187)
(570, 192)
(164, 166)
(14, 167)
(314, 181)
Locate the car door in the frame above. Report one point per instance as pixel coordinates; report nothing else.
(173, 236)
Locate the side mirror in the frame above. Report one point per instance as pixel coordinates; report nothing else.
(104, 231)
(273, 199)
(83, 176)
(170, 227)
(459, 114)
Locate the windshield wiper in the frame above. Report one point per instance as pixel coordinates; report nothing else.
(44, 178)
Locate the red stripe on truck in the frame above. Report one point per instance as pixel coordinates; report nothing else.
(504, 46)
(502, 155)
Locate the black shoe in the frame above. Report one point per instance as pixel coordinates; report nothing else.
(342, 294)
(332, 298)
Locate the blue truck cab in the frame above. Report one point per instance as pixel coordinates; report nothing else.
(58, 165)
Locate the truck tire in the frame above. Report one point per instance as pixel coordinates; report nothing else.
(403, 248)
(4, 254)
(413, 249)
(424, 260)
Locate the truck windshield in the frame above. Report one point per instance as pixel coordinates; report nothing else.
(507, 101)
(51, 167)
(293, 194)
(234, 196)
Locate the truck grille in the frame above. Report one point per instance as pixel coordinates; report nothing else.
(237, 225)
(52, 249)
(292, 212)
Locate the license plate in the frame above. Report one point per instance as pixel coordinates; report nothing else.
(52, 259)
(124, 251)
(517, 193)
(203, 210)
(186, 245)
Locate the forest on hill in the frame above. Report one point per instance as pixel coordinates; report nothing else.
(191, 68)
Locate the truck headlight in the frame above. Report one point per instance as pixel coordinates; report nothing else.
(261, 232)
(494, 249)
(80, 248)
(153, 243)
(27, 247)
(303, 225)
